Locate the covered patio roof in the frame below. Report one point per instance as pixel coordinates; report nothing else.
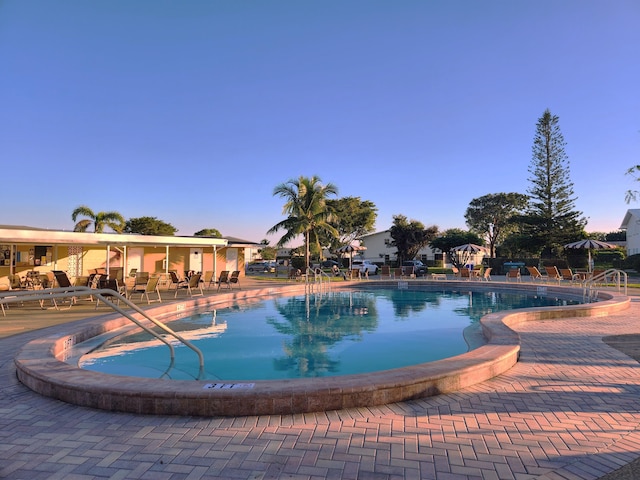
(36, 236)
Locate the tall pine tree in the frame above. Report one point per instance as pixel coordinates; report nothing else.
(552, 219)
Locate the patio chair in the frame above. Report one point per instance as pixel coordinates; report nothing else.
(118, 287)
(223, 279)
(175, 281)
(338, 273)
(16, 283)
(397, 272)
(513, 274)
(385, 271)
(553, 273)
(193, 287)
(408, 272)
(235, 278)
(464, 273)
(354, 274)
(535, 274)
(208, 279)
(294, 274)
(151, 287)
(486, 276)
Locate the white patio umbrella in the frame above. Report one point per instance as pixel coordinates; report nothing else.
(350, 249)
(470, 248)
(591, 245)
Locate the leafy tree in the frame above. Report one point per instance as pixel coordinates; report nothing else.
(551, 220)
(208, 232)
(267, 252)
(632, 195)
(149, 226)
(306, 210)
(452, 238)
(352, 218)
(409, 237)
(492, 216)
(99, 220)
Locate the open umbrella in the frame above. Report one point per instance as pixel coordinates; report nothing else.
(350, 249)
(591, 245)
(470, 248)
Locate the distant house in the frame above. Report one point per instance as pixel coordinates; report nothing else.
(631, 223)
(380, 250)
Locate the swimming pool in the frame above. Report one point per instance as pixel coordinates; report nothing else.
(315, 335)
(42, 365)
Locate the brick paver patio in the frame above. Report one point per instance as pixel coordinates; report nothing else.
(569, 409)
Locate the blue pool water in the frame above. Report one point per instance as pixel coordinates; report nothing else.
(338, 333)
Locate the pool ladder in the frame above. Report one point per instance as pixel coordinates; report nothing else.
(101, 294)
(321, 281)
(618, 277)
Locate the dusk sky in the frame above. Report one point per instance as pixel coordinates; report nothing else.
(193, 111)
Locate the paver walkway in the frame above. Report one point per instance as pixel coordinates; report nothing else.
(570, 409)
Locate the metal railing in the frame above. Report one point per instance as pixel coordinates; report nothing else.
(618, 278)
(71, 293)
(321, 281)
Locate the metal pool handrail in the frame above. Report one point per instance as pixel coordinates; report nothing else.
(618, 277)
(15, 296)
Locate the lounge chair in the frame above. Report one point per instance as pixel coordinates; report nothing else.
(513, 274)
(464, 273)
(192, 287)
(568, 275)
(62, 279)
(354, 274)
(486, 276)
(553, 273)
(535, 274)
(385, 271)
(397, 272)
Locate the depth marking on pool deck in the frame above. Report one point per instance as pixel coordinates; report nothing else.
(227, 386)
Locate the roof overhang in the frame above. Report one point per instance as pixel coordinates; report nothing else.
(58, 237)
(628, 216)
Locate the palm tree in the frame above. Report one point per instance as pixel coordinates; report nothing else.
(100, 220)
(307, 210)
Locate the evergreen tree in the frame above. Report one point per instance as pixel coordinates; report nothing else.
(552, 219)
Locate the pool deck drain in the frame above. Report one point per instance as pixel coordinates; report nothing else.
(568, 409)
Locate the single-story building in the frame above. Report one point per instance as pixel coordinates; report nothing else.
(28, 249)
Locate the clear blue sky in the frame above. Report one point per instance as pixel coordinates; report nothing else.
(193, 111)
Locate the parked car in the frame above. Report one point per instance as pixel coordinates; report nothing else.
(330, 264)
(419, 268)
(264, 267)
(365, 264)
